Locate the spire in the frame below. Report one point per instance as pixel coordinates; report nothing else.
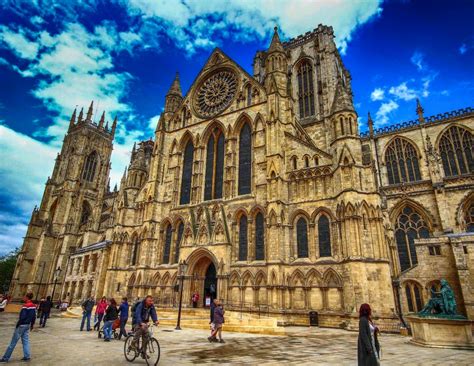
(371, 125)
(102, 120)
(124, 176)
(89, 112)
(175, 86)
(275, 45)
(114, 126)
(419, 111)
(134, 147)
(342, 99)
(73, 119)
(81, 113)
(115, 187)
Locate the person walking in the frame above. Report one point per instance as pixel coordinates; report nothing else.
(99, 312)
(195, 299)
(111, 315)
(368, 347)
(45, 308)
(123, 310)
(87, 307)
(218, 321)
(212, 337)
(25, 323)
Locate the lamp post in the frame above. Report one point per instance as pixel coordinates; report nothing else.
(182, 270)
(56, 275)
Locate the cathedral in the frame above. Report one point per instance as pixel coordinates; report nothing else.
(260, 190)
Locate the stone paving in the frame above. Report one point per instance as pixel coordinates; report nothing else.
(61, 343)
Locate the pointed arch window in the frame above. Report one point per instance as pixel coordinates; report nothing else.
(167, 248)
(86, 213)
(414, 297)
(457, 150)
(214, 166)
(90, 166)
(302, 238)
(409, 226)
(243, 238)
(469, 219)
(179, 238)
(245, 159)
(305, 89)
(402, 162)
(259, 237)
(187, 175)
(324, 235)
(136, 244)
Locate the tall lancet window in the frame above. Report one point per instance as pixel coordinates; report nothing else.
(187, 175)
(167, 247)
(302, 238)
(179, 238)
(88, 172)
(305, 89)
(245, 159)
(243, 238)
(457, 151)
(259, 237)
(402, 162)
(324, 234)
(214, 165)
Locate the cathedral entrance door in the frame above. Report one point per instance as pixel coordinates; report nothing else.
(210, 284)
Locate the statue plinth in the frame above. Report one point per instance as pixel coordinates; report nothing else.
(432, 331)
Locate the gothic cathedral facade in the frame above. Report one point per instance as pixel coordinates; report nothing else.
(260, 190)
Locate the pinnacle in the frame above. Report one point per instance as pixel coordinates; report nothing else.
(89, 112)
(175, 86)
(275, 45)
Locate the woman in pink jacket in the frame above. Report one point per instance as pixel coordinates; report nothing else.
(100, 311)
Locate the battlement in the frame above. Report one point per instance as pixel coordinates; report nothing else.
(303, 38)
(102, 126)
(435, 119)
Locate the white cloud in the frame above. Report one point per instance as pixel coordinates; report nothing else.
(18, 43)
(418, 59)
(152, 122)
(381, 117)
(377, 94)
(402, 91)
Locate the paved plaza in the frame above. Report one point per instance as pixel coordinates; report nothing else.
(61, 343)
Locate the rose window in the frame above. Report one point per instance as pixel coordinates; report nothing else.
(216, 93)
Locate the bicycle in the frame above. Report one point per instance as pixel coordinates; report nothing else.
(151, 353)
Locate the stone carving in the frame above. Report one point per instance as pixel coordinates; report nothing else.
(442, 304)
(433, 158)
(216, 93)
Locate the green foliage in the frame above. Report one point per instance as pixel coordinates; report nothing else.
(7, 266)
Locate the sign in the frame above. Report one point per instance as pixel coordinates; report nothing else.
(208, 301)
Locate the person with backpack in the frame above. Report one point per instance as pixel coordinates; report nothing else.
(143, 312)
(45, 308)
(25, 323)
(87, 307)
(111, 315)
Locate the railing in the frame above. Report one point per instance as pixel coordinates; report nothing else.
(244, 307)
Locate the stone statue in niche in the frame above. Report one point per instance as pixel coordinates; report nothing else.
(433, 158)
(442, 304)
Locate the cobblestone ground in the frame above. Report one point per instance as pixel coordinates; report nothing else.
(61, 343)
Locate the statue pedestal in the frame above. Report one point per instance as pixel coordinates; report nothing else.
(441, 332)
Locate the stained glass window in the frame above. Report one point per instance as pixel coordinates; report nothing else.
(409, 226)
(243, 238)
(302, 238)
(214, 166)
(178, 242)
(259, 237)
(245, 159)
(402, 162)
(324, 235)
(187, 175)
(167, 248)
(469, 219)
(88, 172)
(457, 149)
(136, 243)
(305, 89)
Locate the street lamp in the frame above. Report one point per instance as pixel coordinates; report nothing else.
(56, 275)
(183, 266)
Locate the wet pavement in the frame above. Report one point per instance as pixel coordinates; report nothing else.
(61, 343)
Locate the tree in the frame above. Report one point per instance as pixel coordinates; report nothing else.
(7, 267)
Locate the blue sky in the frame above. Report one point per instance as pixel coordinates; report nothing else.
(123, 54)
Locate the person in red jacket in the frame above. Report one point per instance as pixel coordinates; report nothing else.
(100, 311)
(25, 323)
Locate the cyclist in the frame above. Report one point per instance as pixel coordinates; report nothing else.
(143, 311)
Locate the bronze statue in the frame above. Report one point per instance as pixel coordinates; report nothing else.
(442, 303)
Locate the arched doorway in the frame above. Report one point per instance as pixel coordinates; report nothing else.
(203, 275)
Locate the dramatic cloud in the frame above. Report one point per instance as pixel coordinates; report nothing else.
(377, 94)
(382, 115)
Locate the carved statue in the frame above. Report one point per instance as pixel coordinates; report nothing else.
(442, 303)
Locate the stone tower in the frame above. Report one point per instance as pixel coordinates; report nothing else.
(69, 214)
